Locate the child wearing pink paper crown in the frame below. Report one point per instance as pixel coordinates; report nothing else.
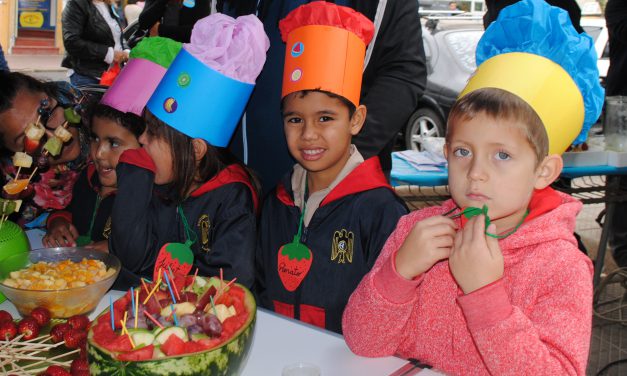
(492, 282)
(182, 187)
(323, 226)
(115, 126)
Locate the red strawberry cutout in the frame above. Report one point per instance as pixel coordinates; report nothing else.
(177, 257)
(294, 262)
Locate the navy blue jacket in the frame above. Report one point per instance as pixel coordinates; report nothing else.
(221, 213)
(362, 211)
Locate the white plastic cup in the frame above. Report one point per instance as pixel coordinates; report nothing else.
(301, 369)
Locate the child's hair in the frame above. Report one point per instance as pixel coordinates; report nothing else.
(135, 124)
(184, 164)
(303, 93)
(500, 104)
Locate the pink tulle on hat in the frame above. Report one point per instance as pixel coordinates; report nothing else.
(234, 47)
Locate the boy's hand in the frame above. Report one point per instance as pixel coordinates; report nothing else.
(476, 259)
(428, 242)
(61, 233)
(102, 246)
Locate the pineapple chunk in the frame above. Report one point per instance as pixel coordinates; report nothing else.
(63, 134)
(34, 131)
(221, 311)
(22, 160)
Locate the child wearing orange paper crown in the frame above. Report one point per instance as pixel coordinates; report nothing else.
(183, 199)
(492, 281)
(116, 124)
(323, 226)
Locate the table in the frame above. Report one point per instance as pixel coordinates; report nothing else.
(601, 190)
(279, 341)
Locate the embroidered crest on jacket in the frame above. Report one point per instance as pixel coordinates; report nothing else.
(342, 250)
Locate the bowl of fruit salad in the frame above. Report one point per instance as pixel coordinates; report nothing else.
(67, 281)
(204, 326)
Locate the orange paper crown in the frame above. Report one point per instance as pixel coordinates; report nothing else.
(326, 45)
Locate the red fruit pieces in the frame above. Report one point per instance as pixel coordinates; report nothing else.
(79, 367)
(173, 346)
(56, 371)
(294, 262)
(29, 328)
(74, 338)
(8, 330)
(79, 322)
(58, 332)
(30, 146)
(144, 353)
(41, 315)
(121, 343)
(5, 316)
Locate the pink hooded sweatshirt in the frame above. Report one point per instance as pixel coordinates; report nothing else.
(536, 320)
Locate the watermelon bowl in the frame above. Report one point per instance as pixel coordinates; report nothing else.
(208, 331)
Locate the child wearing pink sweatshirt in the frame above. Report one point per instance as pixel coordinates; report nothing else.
(492, 281)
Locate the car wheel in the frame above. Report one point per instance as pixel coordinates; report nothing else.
(423, 123)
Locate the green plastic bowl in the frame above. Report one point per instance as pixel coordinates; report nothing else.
(13, 241)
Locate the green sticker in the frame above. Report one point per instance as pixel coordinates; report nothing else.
(184, 80)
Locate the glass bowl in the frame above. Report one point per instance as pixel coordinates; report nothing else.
(62, 303)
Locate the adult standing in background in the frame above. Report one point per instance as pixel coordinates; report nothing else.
(571, 6)
(3, 61)
(92, 36)
(173, 19)
(393, 80)
(616, 84)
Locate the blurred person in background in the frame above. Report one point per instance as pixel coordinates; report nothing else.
(173, 19)
(571, 6)
(92, 36)
(3, 61)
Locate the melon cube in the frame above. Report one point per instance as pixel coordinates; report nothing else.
(63, 134)
(54, 145)
(34, 131)
(22, 160)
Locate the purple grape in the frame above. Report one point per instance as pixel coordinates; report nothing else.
(187, 320)
(194, 329)
(211, 325)
(43, 162)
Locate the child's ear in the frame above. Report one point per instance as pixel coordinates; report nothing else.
(549, 170)
(358, 119)
(200, 148)
(445, 151)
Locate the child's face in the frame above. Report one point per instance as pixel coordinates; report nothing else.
(109, 140)
(491, 163)
(319, 131)
(161, 154)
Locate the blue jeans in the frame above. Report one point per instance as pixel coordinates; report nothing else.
(3, 62)
(80, 80)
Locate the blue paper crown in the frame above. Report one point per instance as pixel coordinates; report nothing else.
(535, 27)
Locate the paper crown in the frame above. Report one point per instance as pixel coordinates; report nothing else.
(326, 46)
(533, 51)
(147, 65)
(204, 92)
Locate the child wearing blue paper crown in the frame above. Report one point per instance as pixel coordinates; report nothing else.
(492, 281)
(115, 126)
(182, 189)
(323, 226)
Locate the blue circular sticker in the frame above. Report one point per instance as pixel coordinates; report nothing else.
(297, 49)
(170, 105)
(297, 74)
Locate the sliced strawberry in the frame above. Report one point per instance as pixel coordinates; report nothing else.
(29, 328)
(30, 146)
(74, 338)
(8, 330)
(144, 353)
(79, 322)
(5, 316)
(56, 371)
(58, 331)
(41, 315)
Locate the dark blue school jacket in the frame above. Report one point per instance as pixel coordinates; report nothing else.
(361, 211)
(221, 212)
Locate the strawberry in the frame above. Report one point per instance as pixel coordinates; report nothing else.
(29, 327)
(8, 330)
(74, 338)
(79, 322)
(30, 146)
(5, 316)
(58, 332)
(294, 262)
(41, 315)
(80, 367)
(56, 371)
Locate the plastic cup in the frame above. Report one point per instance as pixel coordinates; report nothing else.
(301, 369)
